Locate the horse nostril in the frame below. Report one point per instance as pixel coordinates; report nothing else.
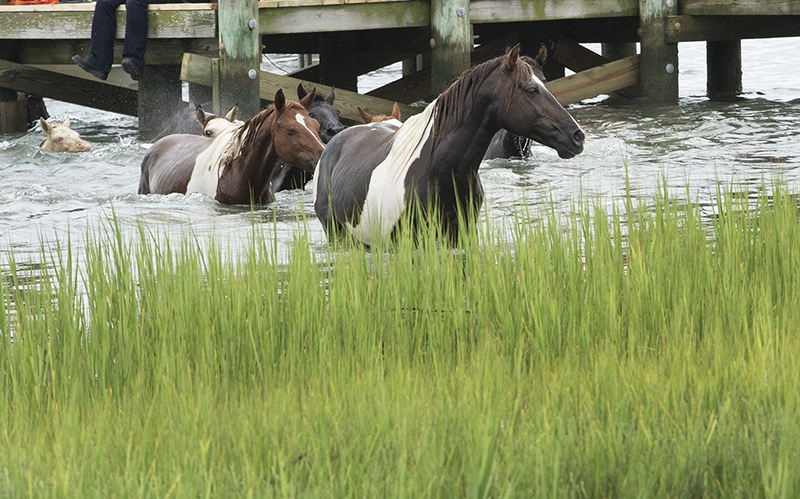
(579, 136)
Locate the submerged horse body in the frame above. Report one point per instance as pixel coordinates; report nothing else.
(235, 166)
(369, 175)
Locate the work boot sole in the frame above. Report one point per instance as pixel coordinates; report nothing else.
(86, 66)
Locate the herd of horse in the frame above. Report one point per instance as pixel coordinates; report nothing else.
(366, 177)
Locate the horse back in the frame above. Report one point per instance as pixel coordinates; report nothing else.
(168, 164)
(344, 171)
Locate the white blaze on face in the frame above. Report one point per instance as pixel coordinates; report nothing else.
(210, 164)
(302, 120)
(385, 201)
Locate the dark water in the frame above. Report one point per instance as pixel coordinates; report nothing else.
(47, 197)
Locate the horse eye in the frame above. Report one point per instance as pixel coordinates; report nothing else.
(207, 133)
(337, 112)
(532, 90)
(60, 139)
(312, 115)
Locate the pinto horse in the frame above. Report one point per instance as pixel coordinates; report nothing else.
(286, 176)
(234, 167)
(369, 175)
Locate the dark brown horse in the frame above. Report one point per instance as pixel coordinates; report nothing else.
(234, 167)
(369, 175)
(507, 145)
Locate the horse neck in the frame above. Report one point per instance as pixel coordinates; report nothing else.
(462, 150)
(253, 166)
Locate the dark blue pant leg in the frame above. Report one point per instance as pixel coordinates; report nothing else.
(136, 29)
(104, 29)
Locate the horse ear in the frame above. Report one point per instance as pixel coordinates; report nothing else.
(233, 113)
(66, 122)
(541, 57)
(396, 111)
(365, 116)
(45, 125)
(513, 55)
(301, 92)
(202, 117)
(331, 96)
(280, 100)
(309, 99)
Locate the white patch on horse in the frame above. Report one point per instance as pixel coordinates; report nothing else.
(302, 120)
(385, 201)
(210, 164)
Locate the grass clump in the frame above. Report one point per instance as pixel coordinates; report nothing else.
(650, 353)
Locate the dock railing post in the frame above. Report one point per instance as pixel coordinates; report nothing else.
(240, 56)
(451, 42)
(659, 60)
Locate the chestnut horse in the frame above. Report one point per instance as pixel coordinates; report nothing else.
(369, 176)
(286, 176)
(234, 167)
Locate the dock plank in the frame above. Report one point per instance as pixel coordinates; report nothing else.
(74, 21)
(80, 91)
(599, 80)
(497, 11)
(344, 17)
(741, 7)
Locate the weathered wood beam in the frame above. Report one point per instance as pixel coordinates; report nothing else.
(197, 69)
(327, 18)
(74, 21)
(599, 80)
(451, 42)
(80, 91)
(575, 56)
(741, 7)
(417, 86)
(722, 28)
(496, 11)
(160, 51)
(659, 64)
(239, 56)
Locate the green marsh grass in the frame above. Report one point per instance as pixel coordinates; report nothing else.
(649, 353)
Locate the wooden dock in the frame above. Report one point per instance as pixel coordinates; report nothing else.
(214, 47)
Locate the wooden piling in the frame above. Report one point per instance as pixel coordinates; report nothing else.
(240, 56)
(451, 42)
(723, 69)
(659, 61)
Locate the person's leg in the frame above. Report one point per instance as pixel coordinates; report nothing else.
(104, 29)
(135, 32)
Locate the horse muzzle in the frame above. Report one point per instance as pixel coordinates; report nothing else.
(572, 148)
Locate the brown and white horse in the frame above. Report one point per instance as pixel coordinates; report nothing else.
(235, 167)
(370, 175)
(368, 118)
(61, 138)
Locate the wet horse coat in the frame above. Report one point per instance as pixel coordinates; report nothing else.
(286, 176)
(234, 167)
(369, 175)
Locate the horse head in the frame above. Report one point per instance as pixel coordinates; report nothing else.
(323, 110)
(530, 110)
(61, 138)
(213, 124)
(368, 118)
(295, 134)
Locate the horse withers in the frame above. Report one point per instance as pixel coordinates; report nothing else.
(369, 176)
(235, 167)
(286, 176)
(61, 138)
